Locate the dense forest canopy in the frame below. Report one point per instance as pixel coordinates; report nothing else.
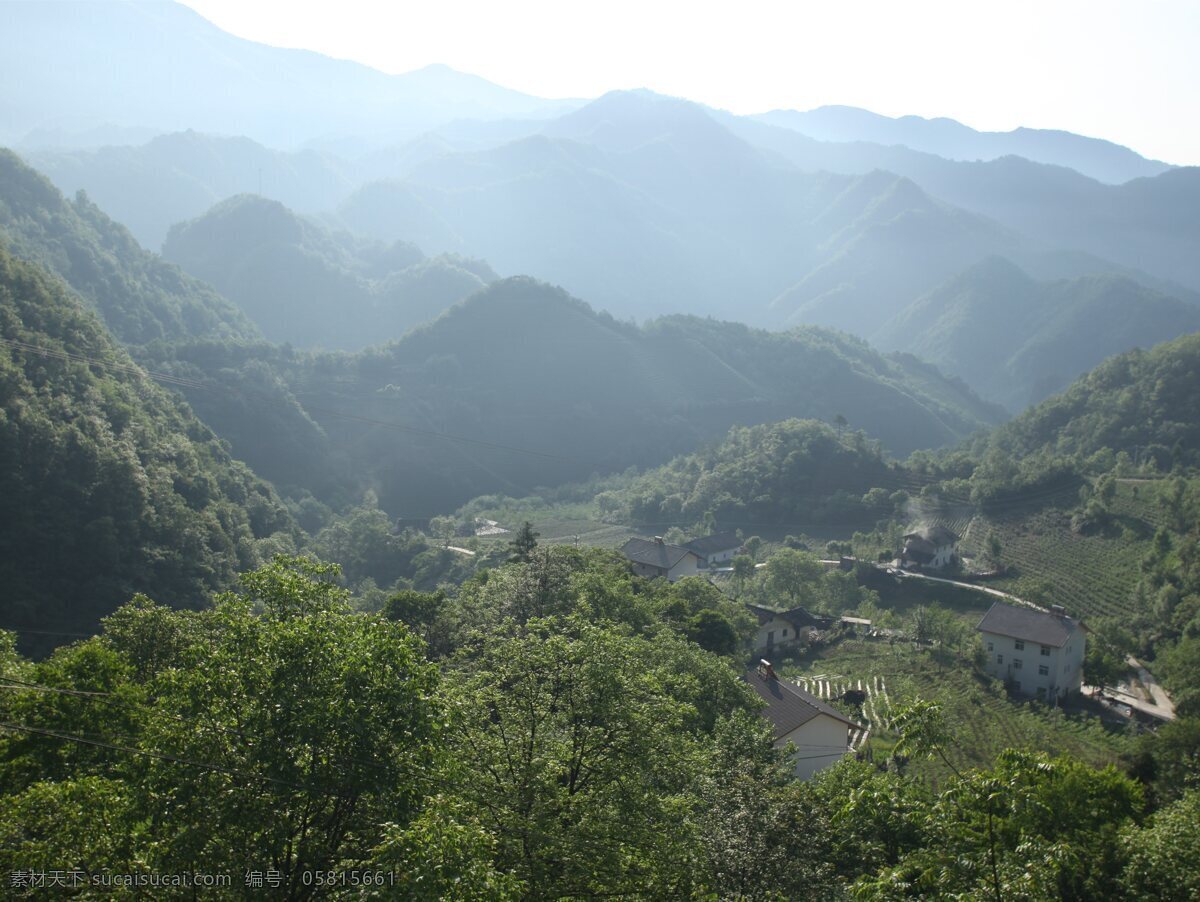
(111, 485)
(315, 532)
(283, 272)
(140, 297)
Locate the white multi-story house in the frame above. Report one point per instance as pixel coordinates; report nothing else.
(820, 735)
(1036, 653)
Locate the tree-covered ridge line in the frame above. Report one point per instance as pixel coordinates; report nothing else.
(597, 395)
(1016, 339)
(307, 285)
(140, 297)
(111, 485)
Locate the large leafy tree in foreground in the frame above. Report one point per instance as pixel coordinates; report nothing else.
(276, 729)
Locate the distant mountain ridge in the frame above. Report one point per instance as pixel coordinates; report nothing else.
(305, 285)
(140, 297)
(1102, 160)
(535, 388)
(163, 66)
(1017, 340)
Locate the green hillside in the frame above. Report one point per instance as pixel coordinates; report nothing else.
(178, 176)
(794, 472)
(307, 286)
(108, 486)
(534, 388)
(1016, 340)
(899, 242)
(140, 297)
(1144, 403)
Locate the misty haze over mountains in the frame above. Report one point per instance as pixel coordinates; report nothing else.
(922, 235)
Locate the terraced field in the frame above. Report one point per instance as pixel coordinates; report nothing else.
(981, 717)
(1090, 575)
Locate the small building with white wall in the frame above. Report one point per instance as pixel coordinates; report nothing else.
(820, 734)
(1036, 653)
(717, 549)
(654, 558)
(934, 547)
(779, 628)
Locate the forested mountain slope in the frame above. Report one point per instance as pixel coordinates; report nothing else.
(151, 186)
(140, 297)
(535, 388)
(1143, 403)
(310, 287)
(790, 473)
(1016, 340)
(108, 485)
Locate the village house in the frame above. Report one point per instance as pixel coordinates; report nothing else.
(776, 628)
(932, 547)
(654, 558)
(821, 734)
(717, 549)
(1036, 653)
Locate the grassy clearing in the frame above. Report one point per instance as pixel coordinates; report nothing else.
(981, 717)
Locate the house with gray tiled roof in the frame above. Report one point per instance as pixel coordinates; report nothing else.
(654, 558)
(819, 733)
(776, 628)
(1036, 653)
(717, 549)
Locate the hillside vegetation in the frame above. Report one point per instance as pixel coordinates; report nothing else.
(140, 297)
(1142, 403)
(449, 412)
(110, 486)
(307, 286)
(1016, 340)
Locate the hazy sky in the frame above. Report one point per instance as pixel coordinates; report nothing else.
(1126, 70)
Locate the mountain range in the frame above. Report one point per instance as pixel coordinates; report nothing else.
(162, 66)
(306, 285)
(1017, 340)
(1101, 160)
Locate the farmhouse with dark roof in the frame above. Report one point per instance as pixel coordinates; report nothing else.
(777, 628)
(1036, 653)
(654, 557)
(821, 734)
(933, 547)
(719, 548)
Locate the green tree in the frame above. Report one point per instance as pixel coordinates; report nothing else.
(712, 631)
(1102, 664)
(581, 743)
(753, 545)
(994, 549)
(760, 834)
(522, 544)
(743, 570)
(793, 575)
(320, 723)
(1164, 854)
